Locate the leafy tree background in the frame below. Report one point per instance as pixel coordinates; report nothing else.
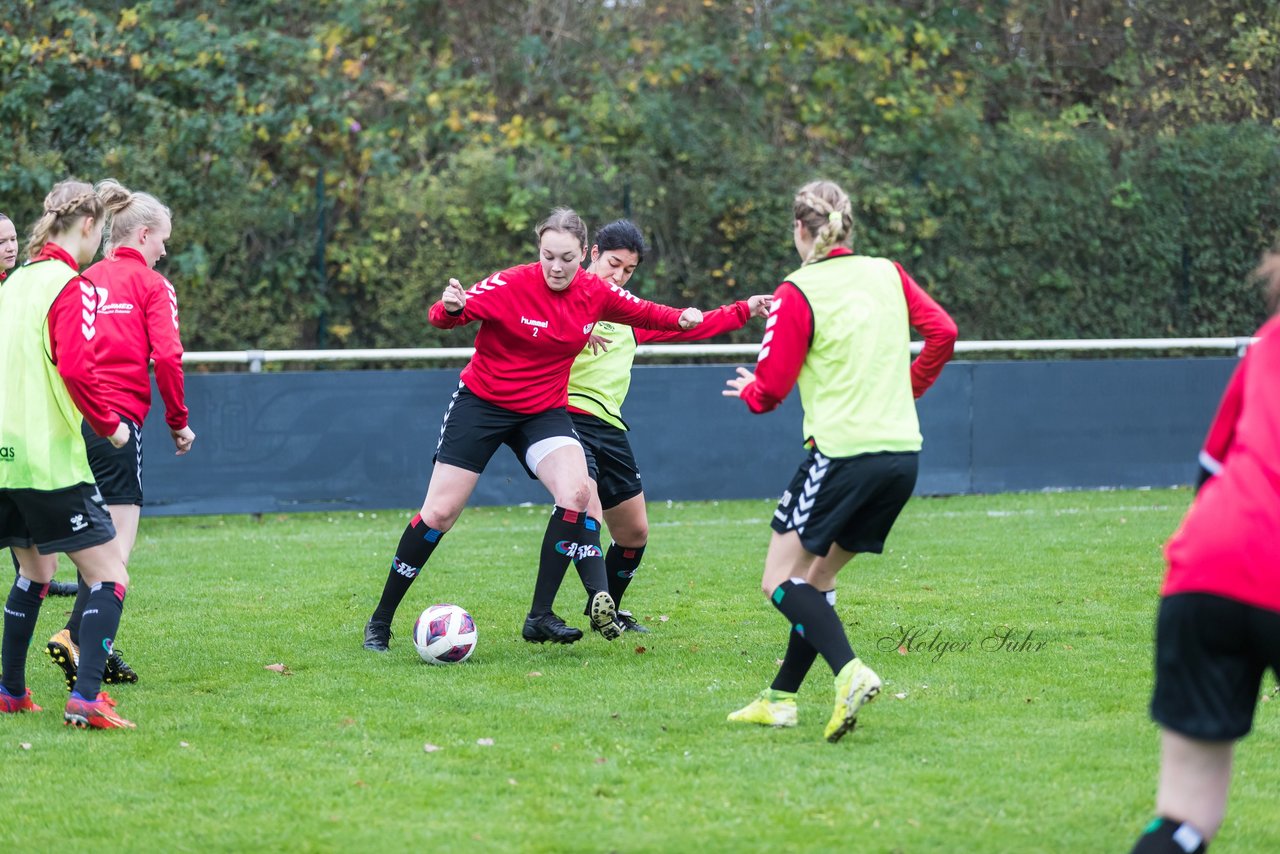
(1046, 168)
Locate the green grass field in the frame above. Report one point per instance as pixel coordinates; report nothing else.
(624, 746)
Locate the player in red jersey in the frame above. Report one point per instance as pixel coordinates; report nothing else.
(534, 319)
(48, 501)
(137, 325)
(839, 329)
(598, 385)
(1218, 625)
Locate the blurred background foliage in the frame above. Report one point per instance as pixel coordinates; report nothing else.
(1045, 168)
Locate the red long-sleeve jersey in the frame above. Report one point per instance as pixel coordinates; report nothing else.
(529, 334)
(138, 323)
(792, 323)
(715, 322)
(72, 328)
(1229, 543)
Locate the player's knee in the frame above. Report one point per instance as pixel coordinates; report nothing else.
(442, 519)
(575, 495)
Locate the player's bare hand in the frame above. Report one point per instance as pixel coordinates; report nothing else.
(738, 383)
(182, 440)
(598, 344)
(455, 298)
(120, 437)
(690, 318)
(760, 304)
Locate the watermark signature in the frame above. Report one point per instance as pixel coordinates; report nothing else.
(938, 643)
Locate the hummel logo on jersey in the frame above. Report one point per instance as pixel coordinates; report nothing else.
(587, 328)
(541, 324)
(78, 523)
(486, 285)
(625, 293)
(576, 551)
(768, 327)
(404, 569)
(89, 310)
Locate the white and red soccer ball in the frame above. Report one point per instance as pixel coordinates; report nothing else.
(444, 634)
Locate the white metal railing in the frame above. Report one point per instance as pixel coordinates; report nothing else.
(255, 359)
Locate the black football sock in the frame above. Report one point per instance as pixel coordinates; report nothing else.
(77, 610)
(1166, 836)
(814, 620)
(20, 613)
(98, 629)
(559, 546)
(417, 543)
(589, 560)
(621, 563)
(799, 657)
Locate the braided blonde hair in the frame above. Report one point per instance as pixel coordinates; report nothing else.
(67, 202)
(826, 215)
(127, 212)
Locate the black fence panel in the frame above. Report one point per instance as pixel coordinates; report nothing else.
(283, 442)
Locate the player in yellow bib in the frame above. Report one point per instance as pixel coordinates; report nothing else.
(48, 500)
(839, 329)
(598, 384)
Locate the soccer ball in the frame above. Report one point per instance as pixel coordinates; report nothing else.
(444, 634)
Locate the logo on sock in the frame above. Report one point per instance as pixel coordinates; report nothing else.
(578, 551)
(404, 569)
(107, 643)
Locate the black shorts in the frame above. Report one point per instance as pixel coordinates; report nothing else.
(1211, 654)
(610, 461)
(849, 501)
(62, 520)
(118, 471)
(473, 429)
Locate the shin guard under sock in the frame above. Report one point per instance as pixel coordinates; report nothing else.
(566, 539)
(98, 631)
(814, 620)
(589, 560)
(20, 613)
(799, 657)
(621, 564)
(417, 543)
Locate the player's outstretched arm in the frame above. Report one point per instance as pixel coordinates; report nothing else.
(449, 311)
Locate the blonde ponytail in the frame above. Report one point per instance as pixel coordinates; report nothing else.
(127, 212)
(826, 215)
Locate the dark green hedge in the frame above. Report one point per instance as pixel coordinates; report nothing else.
(329, 170)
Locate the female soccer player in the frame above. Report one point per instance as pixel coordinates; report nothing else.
(598, 383)
(1218, 626)
(8, 258)
(535, 319)
(839, 327)
(48, 501)
(8, 246)
(137, 324)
